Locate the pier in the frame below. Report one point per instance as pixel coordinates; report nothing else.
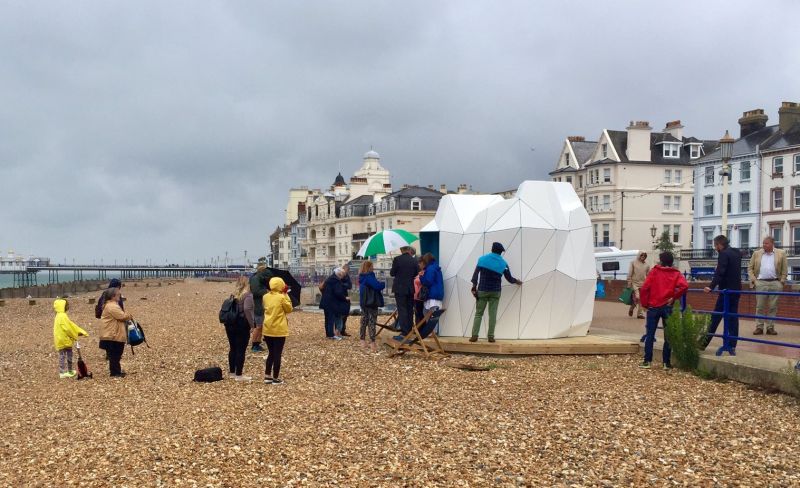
(28, 276)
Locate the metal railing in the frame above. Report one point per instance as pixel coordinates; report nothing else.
(747, 252)
(729, 340)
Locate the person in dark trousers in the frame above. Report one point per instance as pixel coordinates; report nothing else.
(727, 276)
(113, 331)
(259, 286)
(348, 285)
(277, 305)
(240, 332)
(663, 285)
(487, 281)
(336, 303)
(404, 269)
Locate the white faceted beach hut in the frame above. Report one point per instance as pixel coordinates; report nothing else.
(548, 239)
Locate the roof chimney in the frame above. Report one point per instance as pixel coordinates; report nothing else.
(576, 139)
(443, 189)
(675, 129)
(639, 141)
(752, 121)
(462, 188)
(430, 187)
(788, 115)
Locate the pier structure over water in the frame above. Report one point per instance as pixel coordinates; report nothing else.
(29, 276)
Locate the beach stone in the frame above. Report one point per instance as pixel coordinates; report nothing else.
(31, 302)
(90, 301)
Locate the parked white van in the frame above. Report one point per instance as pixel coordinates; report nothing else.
(612, 263)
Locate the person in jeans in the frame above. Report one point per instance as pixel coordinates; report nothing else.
(259, 286)
(487, 283)
(240, 332)
(277, 305)
(636, 276)
(369, 311)
(727, 276)
(659, 291)
(114, 331)
(767, 273)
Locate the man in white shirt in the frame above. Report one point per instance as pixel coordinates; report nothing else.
(767, 272)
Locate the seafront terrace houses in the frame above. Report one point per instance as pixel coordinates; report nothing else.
(632, 181)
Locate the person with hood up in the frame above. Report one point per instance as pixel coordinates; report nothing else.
(335, 303)
(259, 286)
(277, 305)
(432, 289)
(98, 309)
(662, 287)
(65, 333)
(371, 299)
(487, 281)
(114, 331)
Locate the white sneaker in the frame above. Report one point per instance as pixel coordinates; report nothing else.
(232, 376)
(242, 378)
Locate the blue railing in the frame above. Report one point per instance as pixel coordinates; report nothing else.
(727, 315)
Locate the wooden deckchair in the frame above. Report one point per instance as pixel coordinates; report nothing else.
(388, 325)
(413, 341)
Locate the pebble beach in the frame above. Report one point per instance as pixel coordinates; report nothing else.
(349, 418)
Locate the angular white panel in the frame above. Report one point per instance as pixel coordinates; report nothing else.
(548, 239)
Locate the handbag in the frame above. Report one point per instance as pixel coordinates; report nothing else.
(371, 299)
(423, 293)
(627, 296)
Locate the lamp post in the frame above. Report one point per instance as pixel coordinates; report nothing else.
(653, 231)
(726, 151)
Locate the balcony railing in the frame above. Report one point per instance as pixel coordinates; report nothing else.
(747, 252)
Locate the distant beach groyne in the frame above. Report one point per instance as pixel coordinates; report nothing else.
(53, 290)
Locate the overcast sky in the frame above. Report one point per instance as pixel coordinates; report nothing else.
(172, 130)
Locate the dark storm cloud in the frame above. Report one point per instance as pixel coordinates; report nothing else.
(173, 129)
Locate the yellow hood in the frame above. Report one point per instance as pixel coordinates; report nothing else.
(60, 305)
(277, 285)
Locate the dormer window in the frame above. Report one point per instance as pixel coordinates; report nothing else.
(383, 206)
(370, 210)
(392, 204)
(416, 204)
(671, 150)
(566, 159)
(604, 150)
(694, 151)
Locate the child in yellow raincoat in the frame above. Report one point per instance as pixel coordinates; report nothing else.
(65, 333)
(277, 305)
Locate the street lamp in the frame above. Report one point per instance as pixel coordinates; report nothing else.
(726, 151)
(653, 231)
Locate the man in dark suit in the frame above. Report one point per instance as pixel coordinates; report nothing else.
(404, 270)
(727, 276)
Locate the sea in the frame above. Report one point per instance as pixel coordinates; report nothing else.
(7, 280)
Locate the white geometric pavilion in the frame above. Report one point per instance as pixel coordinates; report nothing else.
(548, 239)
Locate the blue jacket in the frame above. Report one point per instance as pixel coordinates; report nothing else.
(334, 297)
(485, 279)
(433, 281)
(369, 280)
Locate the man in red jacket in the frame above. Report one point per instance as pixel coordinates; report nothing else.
(662, 287)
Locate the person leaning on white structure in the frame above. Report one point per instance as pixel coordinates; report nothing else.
(767, 272)
(637, 273)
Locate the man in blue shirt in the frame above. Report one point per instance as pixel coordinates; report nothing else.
(487, 281)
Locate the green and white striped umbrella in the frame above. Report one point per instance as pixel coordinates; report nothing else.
(386, 241)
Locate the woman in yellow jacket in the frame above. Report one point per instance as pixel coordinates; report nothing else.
(276, 327)
(65, 333)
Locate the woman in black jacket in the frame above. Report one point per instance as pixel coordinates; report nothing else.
(335, 303)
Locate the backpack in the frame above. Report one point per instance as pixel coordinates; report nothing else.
(229, 312)
(135, 335)
(208, 375)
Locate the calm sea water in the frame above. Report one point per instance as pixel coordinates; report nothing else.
(7, 280)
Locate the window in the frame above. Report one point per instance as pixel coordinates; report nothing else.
(383, 225)
(729, 205)
(671, 150)
(606, 202)
(667, 176)
(709, 175)
(744, 237)
(796, 236)
(595, 235)
(416, 204)
(345, 229)
(676, 203)
(776, 231)
(676, 233)
(777, 166)
(694, 151)
(744, 171)
(604, 149)
(392, 204)
(797, 163)
(580, 181)
(708, 205)
(370, 210)
(665, 230)
(606, 234)
(692, 204)
(593, 206)
(796, 197)
(744, 202)
(678, 176)
(667, 202)
(606, 175)
(777, 198)
(569, 179)
(340, 228)
(708, 238)
(610, 266)
(566, 159)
